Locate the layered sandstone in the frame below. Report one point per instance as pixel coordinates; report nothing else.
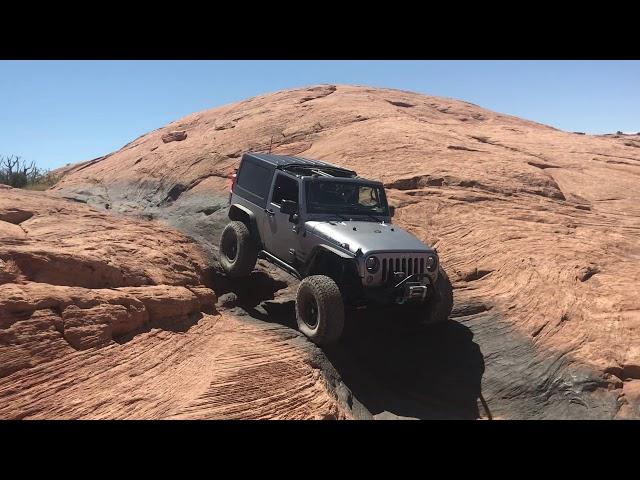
(537, 227)
(107, 317)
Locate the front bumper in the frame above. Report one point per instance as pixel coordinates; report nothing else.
(416, 288)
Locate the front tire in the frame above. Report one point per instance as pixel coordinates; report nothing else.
(238, 253)
(440, 304)
(437, 307)
(320, 309)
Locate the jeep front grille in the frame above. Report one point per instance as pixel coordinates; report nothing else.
(408, 265)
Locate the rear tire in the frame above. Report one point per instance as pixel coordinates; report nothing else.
(238, 253)
(320, 309)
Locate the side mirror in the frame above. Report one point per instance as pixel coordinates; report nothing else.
(288, 207)
(392, 210)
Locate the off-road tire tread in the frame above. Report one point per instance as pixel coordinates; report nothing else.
(246, 256)
(330, 309)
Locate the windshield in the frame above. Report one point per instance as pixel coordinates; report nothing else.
(345, 197)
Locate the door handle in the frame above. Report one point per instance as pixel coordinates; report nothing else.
(269, 212)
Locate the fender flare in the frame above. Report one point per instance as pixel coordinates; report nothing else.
(329, 248)
(239, 212)
(324, 248)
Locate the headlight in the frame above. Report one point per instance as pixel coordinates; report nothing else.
(372, 264)
(432, 263)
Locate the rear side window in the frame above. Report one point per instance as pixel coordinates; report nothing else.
(254, 181)
(285, 188)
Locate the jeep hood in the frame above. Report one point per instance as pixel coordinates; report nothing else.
(368, 236)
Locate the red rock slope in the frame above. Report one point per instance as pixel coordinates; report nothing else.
(538, 227)
(107, 317)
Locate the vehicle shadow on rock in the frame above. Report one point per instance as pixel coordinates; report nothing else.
(398, 369)
(393, 366)
(422, 371)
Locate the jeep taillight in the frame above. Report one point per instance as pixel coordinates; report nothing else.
(233, 181)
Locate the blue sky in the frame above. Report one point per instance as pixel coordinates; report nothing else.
(56, 112)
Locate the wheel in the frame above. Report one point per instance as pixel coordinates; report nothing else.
(437, 307)
(238, 253)
(440, 303)
(320, 309)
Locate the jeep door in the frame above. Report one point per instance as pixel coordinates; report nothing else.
(282, 236)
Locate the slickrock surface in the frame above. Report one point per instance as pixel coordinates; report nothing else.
(107, 317)
(538, 228)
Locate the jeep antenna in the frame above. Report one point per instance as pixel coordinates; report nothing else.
(270, 143)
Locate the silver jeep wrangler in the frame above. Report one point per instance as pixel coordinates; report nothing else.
(331, 229)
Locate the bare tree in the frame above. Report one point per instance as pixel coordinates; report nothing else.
(18, 173)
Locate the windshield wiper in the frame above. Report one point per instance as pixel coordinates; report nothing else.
(339, 215)
(356, 212)
(375, 218)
